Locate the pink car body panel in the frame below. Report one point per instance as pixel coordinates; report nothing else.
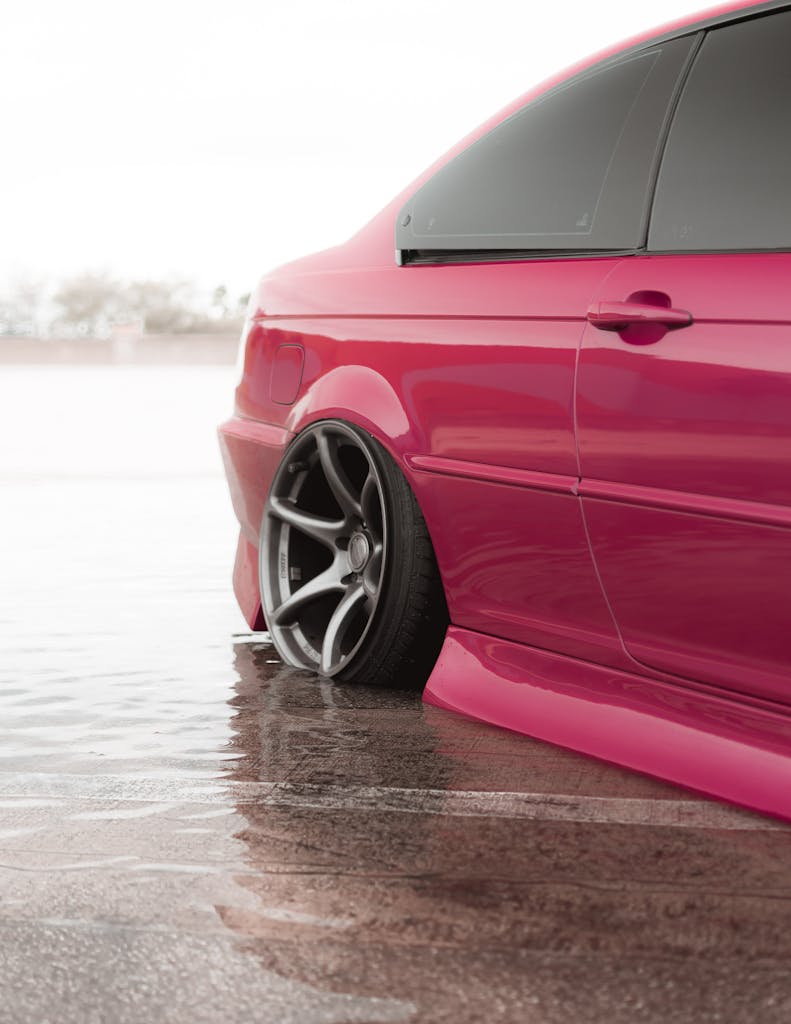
(686, 470)
(611, 512)
(696, 739)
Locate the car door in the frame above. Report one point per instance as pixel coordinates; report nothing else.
(684, 384)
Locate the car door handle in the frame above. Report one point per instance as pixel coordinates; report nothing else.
(617, 316)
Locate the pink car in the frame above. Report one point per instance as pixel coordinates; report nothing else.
(526, 437)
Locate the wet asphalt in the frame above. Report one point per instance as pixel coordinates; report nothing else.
(190, 831)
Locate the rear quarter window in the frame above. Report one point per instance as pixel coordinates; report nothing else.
(571, 170)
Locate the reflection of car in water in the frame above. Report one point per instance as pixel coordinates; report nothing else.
(559, 420)
(433, 869)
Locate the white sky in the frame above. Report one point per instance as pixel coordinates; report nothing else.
(214, 140)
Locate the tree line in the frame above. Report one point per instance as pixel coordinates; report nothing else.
(93, 304)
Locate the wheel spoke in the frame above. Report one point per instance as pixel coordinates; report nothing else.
(326, 531)
(372, 576)
(339, 483)
(338, 626)
(327, 582)
(369, 499)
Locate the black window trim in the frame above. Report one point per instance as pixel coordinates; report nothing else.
(700, 29)
(440, 257)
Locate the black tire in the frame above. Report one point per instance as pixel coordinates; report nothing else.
(343, 523)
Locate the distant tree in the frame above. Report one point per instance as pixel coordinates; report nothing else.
(88, 303)
(164, 306)
(91, 303)
(225, 313)
(219, 301)
(22, 309)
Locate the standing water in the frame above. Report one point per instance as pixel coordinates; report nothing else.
(190, 832)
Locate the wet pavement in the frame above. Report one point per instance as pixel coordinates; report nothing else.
(191, 832)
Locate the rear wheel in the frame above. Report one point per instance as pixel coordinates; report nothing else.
(349, 583)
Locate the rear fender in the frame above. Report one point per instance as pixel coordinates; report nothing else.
(362, 397)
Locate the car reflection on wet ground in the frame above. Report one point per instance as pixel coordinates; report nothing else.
(190, 831)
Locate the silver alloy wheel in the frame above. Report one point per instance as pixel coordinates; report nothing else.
(323, 548)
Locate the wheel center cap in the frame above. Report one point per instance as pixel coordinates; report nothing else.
(359, 551)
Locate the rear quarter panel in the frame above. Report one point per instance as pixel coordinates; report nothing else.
(471, 368)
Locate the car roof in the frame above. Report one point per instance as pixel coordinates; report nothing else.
(699, 20)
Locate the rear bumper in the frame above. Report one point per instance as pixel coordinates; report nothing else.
(251, 453)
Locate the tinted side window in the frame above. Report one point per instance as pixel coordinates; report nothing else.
(725, 180)
(570, 170)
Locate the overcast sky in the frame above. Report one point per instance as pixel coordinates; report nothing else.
(214, 140)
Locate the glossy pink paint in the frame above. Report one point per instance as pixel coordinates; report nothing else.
(699, 740)
(699, 580)
(600, 447)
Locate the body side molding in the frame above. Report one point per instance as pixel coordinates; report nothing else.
(554, 482)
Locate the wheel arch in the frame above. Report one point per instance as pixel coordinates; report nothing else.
(364, 398)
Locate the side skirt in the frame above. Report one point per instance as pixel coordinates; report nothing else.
(709, 743)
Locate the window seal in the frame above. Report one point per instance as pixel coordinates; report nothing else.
(779, 251)
(439, 257)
